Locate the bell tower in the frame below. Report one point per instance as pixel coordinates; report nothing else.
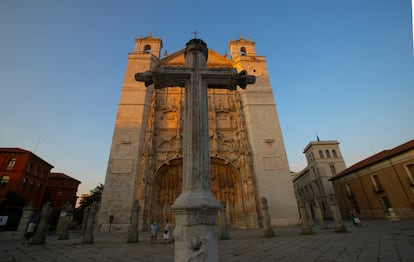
(130, 127)
(148, 45)
(270, 163)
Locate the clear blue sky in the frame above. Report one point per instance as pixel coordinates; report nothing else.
(341, 69)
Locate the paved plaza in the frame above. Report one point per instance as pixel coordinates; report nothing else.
(376, 240)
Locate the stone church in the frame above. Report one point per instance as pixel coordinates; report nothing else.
(247, 153)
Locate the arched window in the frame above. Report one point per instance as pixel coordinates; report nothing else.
(321, 153)
(147, 49)
(11, 164)
(334, 153)
(328, 155)
(243, 51)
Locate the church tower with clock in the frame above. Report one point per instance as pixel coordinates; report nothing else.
(247, 154)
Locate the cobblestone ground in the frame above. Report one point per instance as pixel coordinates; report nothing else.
(376, 240)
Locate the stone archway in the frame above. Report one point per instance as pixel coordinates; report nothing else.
(226, 184)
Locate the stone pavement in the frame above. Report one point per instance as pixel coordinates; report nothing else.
(376, 240)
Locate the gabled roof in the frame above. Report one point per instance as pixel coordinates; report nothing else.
(62, 176)
(383, 155)
(22, 151)
(214, 59)
(14, 150)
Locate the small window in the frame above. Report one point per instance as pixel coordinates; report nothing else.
(4, 181)
(11, 164)
(348, 190)
(321, 154)
(243, 51)
(29, 165)
(328, 155)
(334, 153)
(410, 173)
(377, 184)
(147, 49)
(333, 169)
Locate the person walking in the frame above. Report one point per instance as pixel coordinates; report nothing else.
(29, 232)
(154, 229)
(167, 232)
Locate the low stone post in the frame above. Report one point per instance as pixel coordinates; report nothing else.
(393, 216)
(133, 229)
(319, 215)
(267, 227)
(88, 237)
(84, 221)
(39, 237)
(306, 229)
(27, 214)
(64, 221)
(339, 226)
(224, 234)
(309, 213)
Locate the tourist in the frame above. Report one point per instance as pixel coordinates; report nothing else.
(29, 232)
(167, 231)
(154, 229)
(355, 218)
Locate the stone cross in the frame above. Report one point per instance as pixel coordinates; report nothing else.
(133, 229)
(267, 227)
(196, 208)
(39, 237)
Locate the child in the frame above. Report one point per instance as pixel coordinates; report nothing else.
(154, 229)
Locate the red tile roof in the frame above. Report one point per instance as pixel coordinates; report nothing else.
(376, 158)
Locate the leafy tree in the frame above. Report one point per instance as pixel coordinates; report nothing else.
(86, 202)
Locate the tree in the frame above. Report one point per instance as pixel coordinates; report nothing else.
(86, 202)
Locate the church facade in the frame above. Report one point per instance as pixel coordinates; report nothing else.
(247, 153)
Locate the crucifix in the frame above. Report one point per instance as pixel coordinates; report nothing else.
(196, 208)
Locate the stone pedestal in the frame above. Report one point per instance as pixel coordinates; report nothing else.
(224, 233)
(309, 213)
(39, 237)
(27, 215)
(88, 238)
(64, 222)
(319, 215)
(133, 235)
(84, 221)
(392, 215)
(339, 226)
(195, 233)
(267, 227)
(306, 229)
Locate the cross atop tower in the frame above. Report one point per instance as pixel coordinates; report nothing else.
(195, 34)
